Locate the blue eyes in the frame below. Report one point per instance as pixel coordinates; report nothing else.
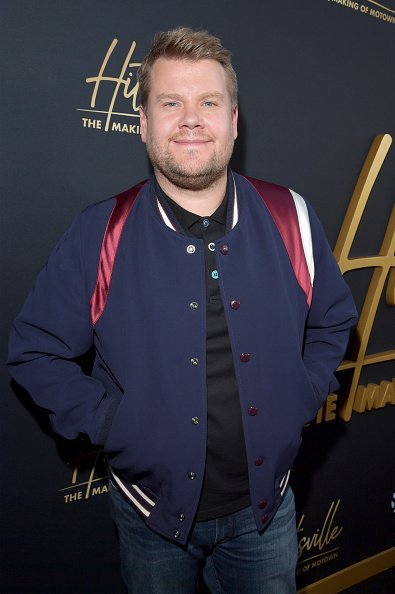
(176, 104)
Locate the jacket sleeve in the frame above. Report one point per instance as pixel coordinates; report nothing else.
(331, 316)
(50, 333)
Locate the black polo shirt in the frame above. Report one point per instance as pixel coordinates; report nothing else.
(225, 487)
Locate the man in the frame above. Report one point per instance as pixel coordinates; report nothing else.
(215, 341)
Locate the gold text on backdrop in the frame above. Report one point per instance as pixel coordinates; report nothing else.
(122, 85)
(384, 272)
(90, 462)
(318, 548)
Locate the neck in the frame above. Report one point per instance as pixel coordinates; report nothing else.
(201, 202)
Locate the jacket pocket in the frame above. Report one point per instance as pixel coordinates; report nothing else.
(112, 408)
(315, 393)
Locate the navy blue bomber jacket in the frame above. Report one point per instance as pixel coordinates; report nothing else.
(146, 399)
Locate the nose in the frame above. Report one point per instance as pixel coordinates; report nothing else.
(190, 117)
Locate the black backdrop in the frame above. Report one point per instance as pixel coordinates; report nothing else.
(316, 86)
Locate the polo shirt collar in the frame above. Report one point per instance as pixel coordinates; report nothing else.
(181, 220)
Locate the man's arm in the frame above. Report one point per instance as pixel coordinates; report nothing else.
(331, 316)
(52, 330)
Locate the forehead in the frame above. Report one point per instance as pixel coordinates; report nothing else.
(178, 76)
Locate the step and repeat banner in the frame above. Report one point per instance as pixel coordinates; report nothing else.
(317, 96)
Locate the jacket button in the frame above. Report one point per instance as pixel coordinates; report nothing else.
(181, 517)
(195, 420)
(224, 249)
(252, 411)
(265, 518)
(258, 461)
(191, 249)
(194, 361)
(235, 304)
(193, 305)
(176, 533)
(262, 504)
(245, 357)
(192, 475)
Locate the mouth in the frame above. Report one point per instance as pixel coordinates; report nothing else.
(191, 142)
(183, 138)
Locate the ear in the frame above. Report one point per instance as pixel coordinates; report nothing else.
(143, 124)
(235, 116)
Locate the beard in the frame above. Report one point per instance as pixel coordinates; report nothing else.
(191, 174)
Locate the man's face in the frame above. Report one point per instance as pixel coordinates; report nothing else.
(189, 125)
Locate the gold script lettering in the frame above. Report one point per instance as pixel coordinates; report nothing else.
(84, 460)
(118, 81)
(324, 535)
(384, 270)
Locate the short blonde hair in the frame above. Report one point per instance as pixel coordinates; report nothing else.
(184, 43)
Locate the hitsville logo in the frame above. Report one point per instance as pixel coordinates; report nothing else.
(88, 477)
(113, 105)
(319, 546)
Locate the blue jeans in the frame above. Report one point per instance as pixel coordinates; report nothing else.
(229, 552)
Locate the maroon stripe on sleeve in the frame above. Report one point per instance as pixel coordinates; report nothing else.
(112, 235)
(280, 204)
